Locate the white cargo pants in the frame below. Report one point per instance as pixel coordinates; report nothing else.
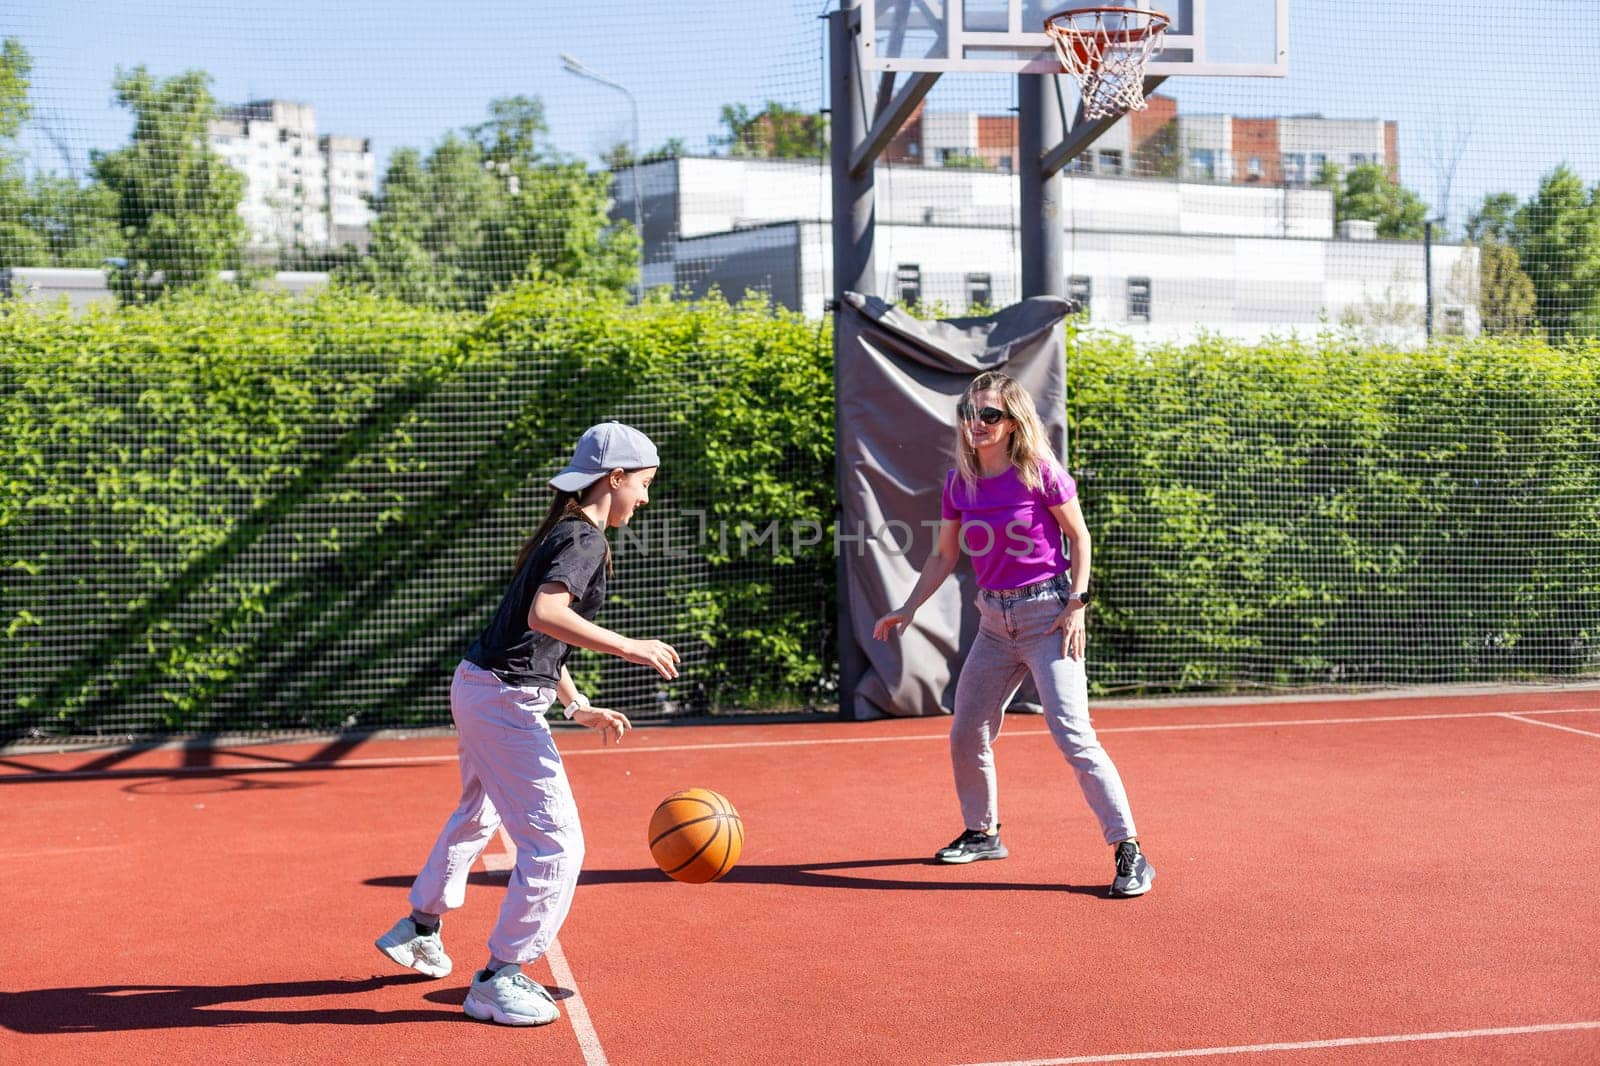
(511, 773)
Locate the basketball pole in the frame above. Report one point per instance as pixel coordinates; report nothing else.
(853, 189)
(1040, 127)
(853, 223)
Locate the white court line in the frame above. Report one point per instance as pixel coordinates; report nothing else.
(1304, 1045)
(1551, 725)
(637, 749)
(1013, 731)
(577, 1012)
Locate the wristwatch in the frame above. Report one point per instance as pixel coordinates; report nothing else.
(1080, 597)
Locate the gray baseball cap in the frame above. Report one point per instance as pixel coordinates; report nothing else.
(602, 449)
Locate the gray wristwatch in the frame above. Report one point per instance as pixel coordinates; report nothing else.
(1080, 597)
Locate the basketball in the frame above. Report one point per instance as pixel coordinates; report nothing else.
(696, 836)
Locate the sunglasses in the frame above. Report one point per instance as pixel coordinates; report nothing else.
(988, 415)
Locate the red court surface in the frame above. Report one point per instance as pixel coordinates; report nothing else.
(1400, 880)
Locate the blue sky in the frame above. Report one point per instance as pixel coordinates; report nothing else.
(1511, 95)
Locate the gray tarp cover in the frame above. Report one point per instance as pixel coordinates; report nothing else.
(898, 379)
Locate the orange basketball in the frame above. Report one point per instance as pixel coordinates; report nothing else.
(696, 836)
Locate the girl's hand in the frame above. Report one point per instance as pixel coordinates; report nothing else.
(653, 653)
(1074, 630)
(896, 619)
(603, 720)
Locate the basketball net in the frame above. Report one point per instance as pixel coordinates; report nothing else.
(1105, 49)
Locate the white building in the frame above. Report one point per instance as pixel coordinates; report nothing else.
(1291, 151)
(84, 288)
(1219, 148)
(304, 191)
(352, 184)
(1159, 260)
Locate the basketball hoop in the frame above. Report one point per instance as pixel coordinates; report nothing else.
(1105, 49)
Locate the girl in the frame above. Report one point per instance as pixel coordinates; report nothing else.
(1007, 504)
(511, 772)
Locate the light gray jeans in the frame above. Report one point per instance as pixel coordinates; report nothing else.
(1013, 640)
(511, 773)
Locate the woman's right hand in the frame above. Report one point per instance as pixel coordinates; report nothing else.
(660, 657)
(896, 619)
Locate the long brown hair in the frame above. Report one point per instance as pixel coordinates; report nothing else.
(1029, 445)
(564, 504)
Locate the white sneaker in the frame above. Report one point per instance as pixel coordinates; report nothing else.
(424, 954)
(510, 997)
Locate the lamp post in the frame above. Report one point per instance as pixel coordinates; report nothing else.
(573, 66)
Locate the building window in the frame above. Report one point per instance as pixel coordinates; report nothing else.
(1359, 159)
(1455, 322)
(1005, 164)
(1080, 290)
(1318, 161)
(1110, 161)
(1083, 164)
(1294, 167)
(1252, 168)
(908, 283)
(1203, 164)
(980, 291)
(1138, 299)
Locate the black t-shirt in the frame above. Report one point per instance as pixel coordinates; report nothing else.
(572, 554)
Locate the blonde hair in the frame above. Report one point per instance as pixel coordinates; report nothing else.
(1029, 447)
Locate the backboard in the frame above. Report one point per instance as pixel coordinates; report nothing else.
(1216, 38)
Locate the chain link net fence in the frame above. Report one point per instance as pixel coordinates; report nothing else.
(303, 303)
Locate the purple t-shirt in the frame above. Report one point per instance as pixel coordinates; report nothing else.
(1007, 528)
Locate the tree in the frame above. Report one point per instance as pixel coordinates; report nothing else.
(774, 132)
(620, 155)
(1494, 218)
(1444, 158)
(1506, 302)
(44, 220)
(76, 223)
(484, 212)
(19, 244)
(512, 134)
(177, 201)
(1367, 192)
(15, 67)
(1159, 155)
(964, 161)
(1557, 236)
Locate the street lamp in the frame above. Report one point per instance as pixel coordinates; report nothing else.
(573, 66)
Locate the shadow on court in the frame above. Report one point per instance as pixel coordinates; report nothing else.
(115, 1008)
(802, 875)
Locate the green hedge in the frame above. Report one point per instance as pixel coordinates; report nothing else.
(233, 510)
(1310, 513)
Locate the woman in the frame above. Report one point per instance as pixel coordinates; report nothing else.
(1008, 504)
(511, 772)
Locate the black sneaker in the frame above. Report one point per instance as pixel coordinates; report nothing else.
(971, 846)
(1134, 874)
